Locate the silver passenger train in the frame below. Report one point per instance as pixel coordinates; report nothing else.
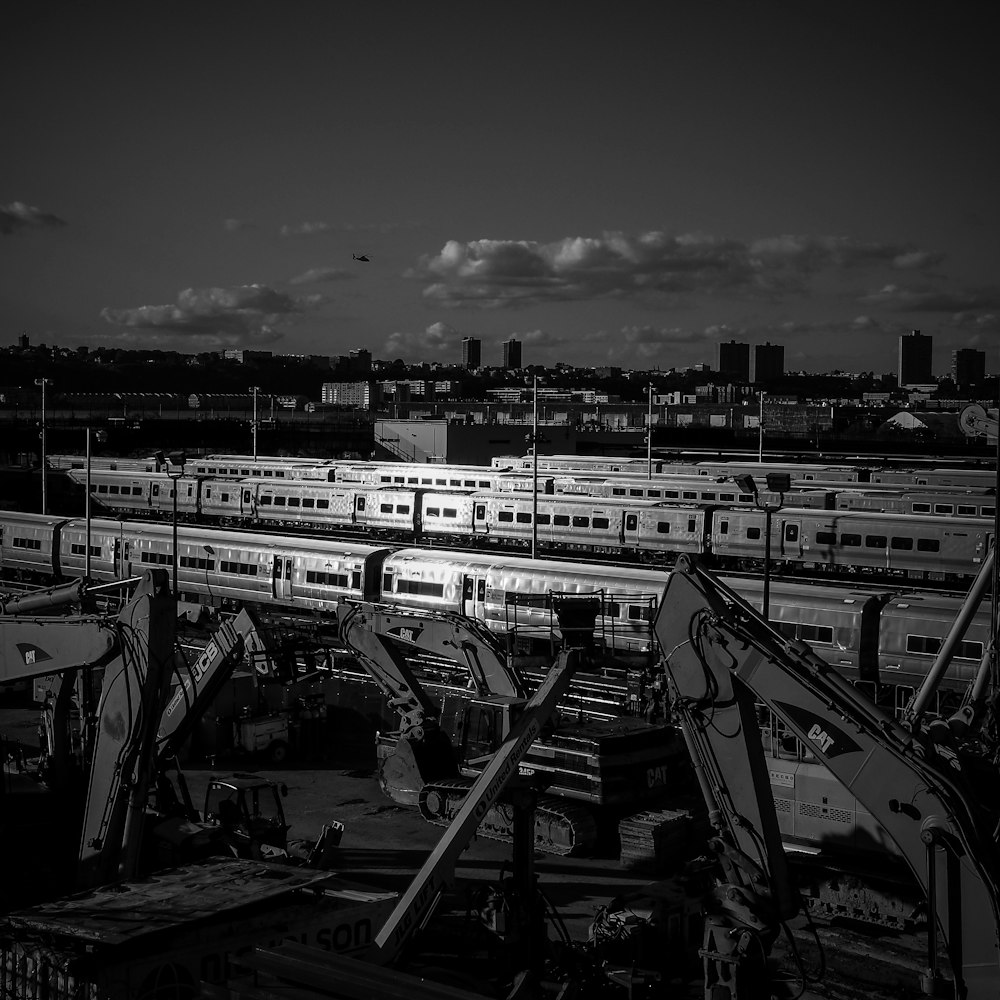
(879, 639)
(846, 542)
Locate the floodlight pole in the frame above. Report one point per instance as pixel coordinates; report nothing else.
(254, 389)
(760, 429)
(534, 470)
(649, 435)
(86, 515)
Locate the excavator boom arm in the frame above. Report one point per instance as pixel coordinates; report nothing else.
(918, 794)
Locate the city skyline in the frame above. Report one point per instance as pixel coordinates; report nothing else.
(622, 190)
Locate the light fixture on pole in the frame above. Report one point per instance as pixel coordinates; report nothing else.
(174, 468)
(43, 382)
(254, 389)
(760, 429)
(649, 435)
(780, 483)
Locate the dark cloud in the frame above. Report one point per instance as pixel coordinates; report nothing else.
(315, 228)
(502, 273)
(435, 340)
(235, 225)
(17, 215)
(934, 300)
(305, 229)
(246, 314)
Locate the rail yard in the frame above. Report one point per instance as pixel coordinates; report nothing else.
(554, 659)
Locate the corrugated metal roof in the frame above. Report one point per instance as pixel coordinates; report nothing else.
(120, 914)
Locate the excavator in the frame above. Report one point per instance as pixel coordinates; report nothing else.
(140, 726)
(930, 788)
(431, 760)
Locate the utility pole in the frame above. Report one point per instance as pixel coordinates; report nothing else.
(760, 429)
(649, 435)
(43, 382)
(254, 389)
(534, 471)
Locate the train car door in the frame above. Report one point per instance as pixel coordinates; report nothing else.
(247, 507)
(281, 577)
(473, 596)
(791, 539)
(479, 521)
(358, 515)
(630, 529)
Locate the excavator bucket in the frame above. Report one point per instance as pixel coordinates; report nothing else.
(405, 766)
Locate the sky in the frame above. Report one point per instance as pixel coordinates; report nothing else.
(612, 184)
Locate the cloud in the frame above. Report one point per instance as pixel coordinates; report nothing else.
(933, 300)
(491, 273)
(235, 225)
(317, 274)
(305, 229)
(245, 314)
(436, 339)
(17, 215)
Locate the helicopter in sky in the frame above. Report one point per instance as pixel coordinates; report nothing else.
(362, 257)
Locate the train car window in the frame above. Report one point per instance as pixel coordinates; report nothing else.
(244, 472)
(225, 498)
(423, 588)
(928, 545)
(753, 533)
(635, 493)
(689, 495)
(746, 498)
(966, 510)
(727, 497)
(826, 537)
(293, 501)
(561, 520)
(467, 589)
(387, 583)
(944, 508)
(670, 495)
(631, 522)
(322, 504)
(480, 511)
(663, 527)
(360, 503)
(850, 539)
(277, 567)
(544, 519)
(655, 494)
(433, 512)
(791, 532)
(692, 524)
(102, 488)
(356, 579)
(308, 502)
(156, 489)
(723, 527)
(402, 508)
(988, 512)
(398, 479)
(412, 480)
(481, 590)
(386, 508)
(506, 515)
(921, 508)
(279, 501)
(246, 496)
(876, 541)
(268, 473)
(265, 500)
(137, 491)
(579, 521)
(327, 579)
(95, 550)
(930, 645)
(636, 614)
(602, 522)
(708, 495)
(27, 543)
(523, 517)
(451, 512)
(112, 489)
(385, 479)
(618, 491)
(904, 544)
(816, 633)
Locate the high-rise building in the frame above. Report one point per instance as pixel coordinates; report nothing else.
(472, 352)
(968, 367)
(768, 362)
(512, 353)
(734, 361)
(915, 359)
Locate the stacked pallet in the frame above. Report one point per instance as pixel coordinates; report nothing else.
(655, 840)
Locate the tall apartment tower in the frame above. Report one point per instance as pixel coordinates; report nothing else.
(472, 352)
(768, 362)
(512, 353)
(734, 361)
(915, 359)
(968, 367)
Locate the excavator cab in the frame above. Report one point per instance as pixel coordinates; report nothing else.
(249, 811)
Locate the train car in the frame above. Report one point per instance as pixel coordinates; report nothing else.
(578, 463)
(912, 630)
(265, 467)
(29, 544)
(695, 489)
(797, 471)
(982, 478)
(915, 547)
(512, 594)
(103, 462)
(956, 503)
(141, 494)
(840, 624)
